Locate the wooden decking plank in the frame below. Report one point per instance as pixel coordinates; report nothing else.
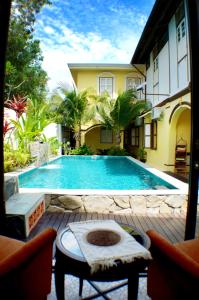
(168, 222)
(89, 216)
(130, 220)
(53, 220)
(170, 226)
(141, 222)
(77, 217)
(123, 219)
(100, 216)
(117, 218)
(94, 216)
(162, 228)
(64, 222)
(106, 217)
(180, 218)
(154, 225)
(148, 223)
(83, 216)
(176, 227)
(136, 222)
(165, 231)
(58, 221)
(71, 218)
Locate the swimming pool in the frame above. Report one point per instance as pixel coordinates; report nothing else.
(93, 173)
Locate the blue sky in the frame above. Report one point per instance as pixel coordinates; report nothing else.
(80, 31)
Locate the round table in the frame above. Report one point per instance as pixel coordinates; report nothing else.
(70, 260)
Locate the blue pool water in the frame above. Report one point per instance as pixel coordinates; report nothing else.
(90, 172)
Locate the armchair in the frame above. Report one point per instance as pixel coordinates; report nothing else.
(173, 273)
(25, 268)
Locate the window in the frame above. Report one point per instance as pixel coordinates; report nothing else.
(150, 135)
(155, 64)
(106, 85)
(106, 136)
(147, 135)
(154, 135)
(132, 82)
(181, 31)
(135, 136)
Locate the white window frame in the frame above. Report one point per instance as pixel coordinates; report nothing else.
(147, 135)
(106, 86)
(135, 82)
(106, 75)
(181, 30)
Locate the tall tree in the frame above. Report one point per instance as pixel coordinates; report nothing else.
(24, 74)
(72, 110)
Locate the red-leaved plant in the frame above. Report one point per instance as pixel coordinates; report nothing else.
(18, 104)
(6, 127)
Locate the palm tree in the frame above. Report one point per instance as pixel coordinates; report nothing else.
(119, 113)
(73, 110)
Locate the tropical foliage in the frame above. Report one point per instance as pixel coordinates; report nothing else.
(117, 151)
(71, 110)
(119, 113)
(29, 127)
(82, 150)
(14, 159)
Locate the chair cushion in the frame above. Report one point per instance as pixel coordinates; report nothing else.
(191, 248)
(8, 247)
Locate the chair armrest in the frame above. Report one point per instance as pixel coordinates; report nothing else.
(160, 247)
(26, 274)
(28, 251)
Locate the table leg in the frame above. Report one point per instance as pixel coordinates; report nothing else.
(59, 283)
(133, 282)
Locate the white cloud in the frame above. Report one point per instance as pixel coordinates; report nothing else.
(48, 29)
(72, 47)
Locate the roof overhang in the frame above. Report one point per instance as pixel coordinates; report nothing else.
(156, 25)
(94, 66)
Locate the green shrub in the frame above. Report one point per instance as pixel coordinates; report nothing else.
(14, 159)
(117, 151)
(82, 150)
(54, 145)
(8, 165)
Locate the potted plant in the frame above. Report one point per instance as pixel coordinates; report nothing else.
(142, 154)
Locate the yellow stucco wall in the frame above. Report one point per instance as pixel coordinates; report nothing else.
(92, 139)
(90, 79)
(168, 132)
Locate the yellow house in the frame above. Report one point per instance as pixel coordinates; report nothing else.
(112, 78)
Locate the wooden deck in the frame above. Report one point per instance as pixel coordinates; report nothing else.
(170, 226)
